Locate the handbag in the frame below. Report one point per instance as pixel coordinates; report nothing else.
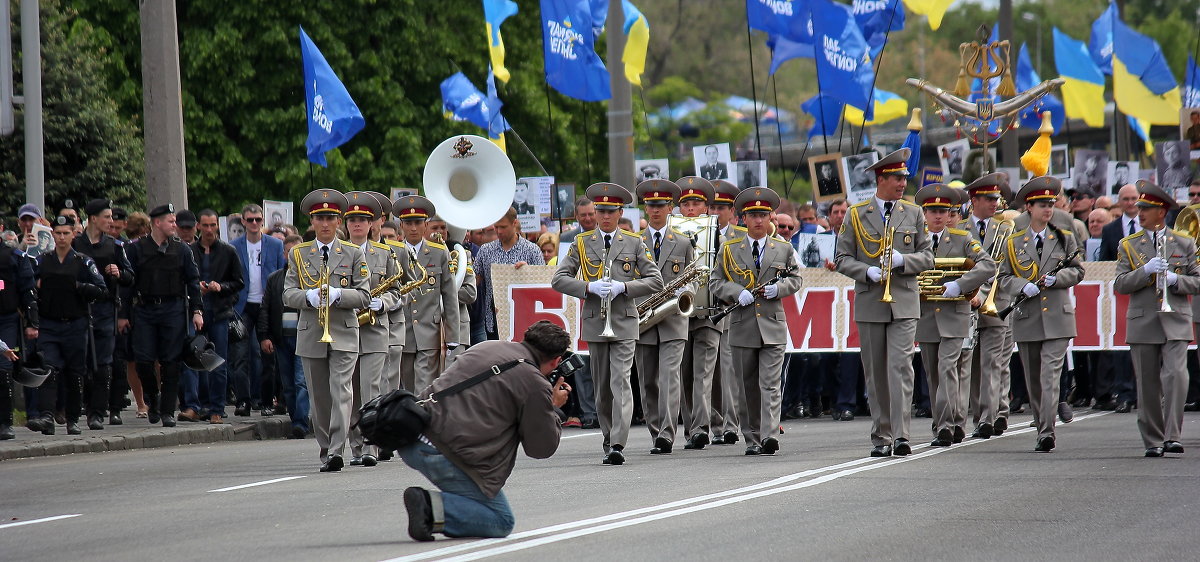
(237, 327)
(396, 419)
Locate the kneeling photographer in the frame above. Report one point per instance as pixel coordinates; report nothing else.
(469, 446)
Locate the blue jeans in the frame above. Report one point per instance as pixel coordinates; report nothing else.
(295, 390)
(217, 332)
(469, 512)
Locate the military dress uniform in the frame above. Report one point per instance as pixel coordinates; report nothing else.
(659, 350)
(1045, 323)
(328, 367)
(1158, 340)
(17, 299)
(990, 358)
(757, 326)
(432, 311)
(886, 330)
(944, 324)
(468, 292)
(397, 326)
(727, 391)
(165, 296)
(373, 337)
(617, 261)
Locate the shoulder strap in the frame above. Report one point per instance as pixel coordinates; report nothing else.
(487, 374)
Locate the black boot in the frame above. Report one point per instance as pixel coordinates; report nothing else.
(170, 392)
(98, 395)
(145, 372)
(6, 431)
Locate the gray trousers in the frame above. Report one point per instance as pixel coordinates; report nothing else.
(989, 365)
(391, 368)
(418, 368)
(658, 375)
(886, 351)
(329, 398)
(368, 383)
(1005, 373)
(946, 382)
(727, 390)
(611, 364)
(1162, 383)
(761, 371)
(1043, 362)
(699, 362)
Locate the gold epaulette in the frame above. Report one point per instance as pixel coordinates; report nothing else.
(630, 233)
(861, 203)
(1133, 236)
(958, 231)
(379, 245)
(733, 241)
(305, 244)
(587, 233)
(738, 228)
(433, 244)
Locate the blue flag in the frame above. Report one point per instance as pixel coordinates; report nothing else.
(572, 66)
(913, 143)
(463, 101)
(784, 49)
(1026, 78)
(1191, 84)
(844, 67)
(497, 124)
(789, 18)
(1100, 44)
(333, 118)
(876, 18)
(827, 111)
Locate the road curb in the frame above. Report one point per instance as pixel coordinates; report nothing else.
(130, 437)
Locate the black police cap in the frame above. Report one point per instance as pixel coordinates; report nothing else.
(120, 214)
(64, 220)
(162, 210)
(97, 206)
(185, 218)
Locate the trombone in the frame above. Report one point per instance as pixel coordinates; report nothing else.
(1003, 230)
(1160, 279)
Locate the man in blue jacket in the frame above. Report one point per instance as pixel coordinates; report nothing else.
(260, 256)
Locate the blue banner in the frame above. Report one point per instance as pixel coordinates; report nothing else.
(876, 18)
(780, 17)
(828, 112)
(1100, 44)
(844, 68)
(333, 118)
(1191, 84)
(1026, 79)
(572, 66)
(463, 101)
(784, 49)
(497, 124)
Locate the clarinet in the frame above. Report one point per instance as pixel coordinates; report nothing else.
(757, 290)
(1062, 264)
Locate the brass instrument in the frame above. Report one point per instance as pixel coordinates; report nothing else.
(931, 282)
(367, 316)
(885, 259)
(1004, 229)
(606, 302)
(665, 303)
(1188, 221)
(1160, 279)
(323, 309)
(702, 231)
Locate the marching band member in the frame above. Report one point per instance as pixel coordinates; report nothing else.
(886, 326)
(700, 352)
(327, 282)
(1042, 327)
(660, 347)
(1158, 338)
(757, 269)
(429, 309)
(727, 391)
(614, 267)
(361, 214)
(944, 324)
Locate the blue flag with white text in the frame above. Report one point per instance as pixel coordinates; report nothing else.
(1100, 44)
(333, 118)
(463, 101)
(876, 18)
(572, 66)
(789, 18)
(844, 67)
(1191, 84)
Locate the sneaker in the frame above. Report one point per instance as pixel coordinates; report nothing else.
(420, 514)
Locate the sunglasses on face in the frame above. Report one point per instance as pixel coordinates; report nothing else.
(1194, 194)
(252, 219)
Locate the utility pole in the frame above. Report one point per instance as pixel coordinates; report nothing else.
(620, 107)
(1008, 143)
(162, 99)
(1120, 126)
(7, 123)
(31, 87)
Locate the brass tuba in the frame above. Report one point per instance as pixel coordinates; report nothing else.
(470, 180)
(931, 282)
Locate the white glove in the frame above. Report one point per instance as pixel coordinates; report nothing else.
(376, 304)
(745, 298)
(314, 297)
(951, 290)
(771, 292)
(1172, 278)
(897, 259)
(1049, 281)
(1030, 290)
(403, 300)
(874, 274)
(600, 288)
(1155, 265)
(335, 294)
(618, 287)
(680, 291)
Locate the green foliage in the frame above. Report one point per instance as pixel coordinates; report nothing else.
(90, 150)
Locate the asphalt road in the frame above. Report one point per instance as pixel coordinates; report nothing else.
(821, 497)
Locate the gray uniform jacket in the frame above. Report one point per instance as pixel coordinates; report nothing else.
(375, 338)
(630, 263)
(764, 322)
(854, 258)
(989, 242)
(436, 305)
(348, 271)
(951, 319)
(397, 325)
(1144, 322)
(1050, 314)
(675, 253)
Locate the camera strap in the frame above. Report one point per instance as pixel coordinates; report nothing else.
(485, 375)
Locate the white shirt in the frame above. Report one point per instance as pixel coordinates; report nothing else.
(883, 207)
(416, 248)
(762, 247)
(1126, 220)
(254, 265)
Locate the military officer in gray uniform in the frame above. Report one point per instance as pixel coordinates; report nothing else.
(726, 384)
(327, 282)
(886, 329)
(660, 347)
(431, 309)
(1045, 323)
(754, 272)
(1158, 339)
(700, 352)
(361, 211)
(609, 268)
(990, 358)
(397, 326)
(944, 324)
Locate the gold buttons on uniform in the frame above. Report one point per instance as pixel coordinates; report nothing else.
(1045, 309)
(937, 310)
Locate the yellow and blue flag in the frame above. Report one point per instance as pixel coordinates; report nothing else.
(935, 10)
(844, 67)
(1142, 128)
(1027, 78)
(637, 40)
(494, 14)
(333, 117)
(497, 124)
(572, 65)
(1083, 90)
(1143, 85)
(888, 107)
(1100, 44)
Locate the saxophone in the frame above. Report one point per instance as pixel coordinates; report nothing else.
(368, 316)
(665, 303)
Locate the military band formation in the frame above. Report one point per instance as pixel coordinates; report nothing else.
(693, 303)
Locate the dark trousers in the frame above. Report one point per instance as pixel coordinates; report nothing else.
(247, 368)
(920, 384)
(64, 346)
(104, 338)
(10, 333)
(850, 382)
(158, 336)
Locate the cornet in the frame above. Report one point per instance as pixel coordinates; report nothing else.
(606, 302)
(323, 310)
(885, 259)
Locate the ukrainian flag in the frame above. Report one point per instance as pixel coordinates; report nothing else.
(1083, 91)
(1143, 86)
(934, 9)
(888, 107)
(495, 12)
(637, 40)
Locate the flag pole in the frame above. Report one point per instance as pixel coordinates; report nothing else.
(875, 76)
(753, 89)
(787, 187)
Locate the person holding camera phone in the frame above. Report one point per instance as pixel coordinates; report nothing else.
(469, 446)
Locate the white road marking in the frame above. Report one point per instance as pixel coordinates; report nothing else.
(42, 520)
(253, 484)
(577, 435)
(682, 507)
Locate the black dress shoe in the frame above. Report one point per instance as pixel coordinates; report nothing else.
(694, 443)
(615, 458)
(901, 447)
(662, 446)
(770, 445)
(369, 460)
(1017, 406)
(943, 438)
(1044, 444)
(881, 451)
(754, 450)
(385, 456)
(730, 438)
(73, 428)
(242, 409)
(1154, 451)
(95, 423)
(168, 420)
(959, 434)
(1000, 427)
(717, 439)
(1064, 412)
(1081, 402)
(921, 413)
(420, 514)
(115, 419)
(334, 464)
(355, 461)
(1172, 447)
(1191, 407)
(152, 417)
(298, 433)
(6, 433)
(44, 424)
(847, 415)
(1107, 404)
(1124, 407)
(589, 424)
(984, 431)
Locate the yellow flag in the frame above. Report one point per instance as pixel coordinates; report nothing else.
(1084, 100)
(500, 143)
(934, 9)
(1134, 99)
(496, 50)
(634, 57)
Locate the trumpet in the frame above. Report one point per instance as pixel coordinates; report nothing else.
(1160, 279)
(323, 310)
(885, 259)
(606, 302)
(1003, 230)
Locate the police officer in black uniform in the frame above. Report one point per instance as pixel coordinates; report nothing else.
(109, 255)
(165, 295)
(68, 282)
(17, 295)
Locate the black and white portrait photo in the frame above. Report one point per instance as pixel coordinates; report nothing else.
(1121, 174)
(1060, 165)
(826, 173)
(750, 173)
(1171, 161)
(651, 170)
(712, 161)
(1091, 169)
(564, 201)
(952, 157)
(860, 181)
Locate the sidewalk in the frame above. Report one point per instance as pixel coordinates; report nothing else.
(137, 433)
